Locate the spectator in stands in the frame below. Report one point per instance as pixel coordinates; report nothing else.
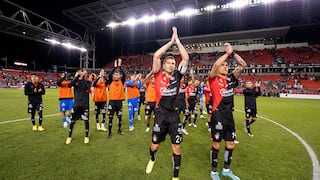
(34, 90)
(222, 86)
(100, 99)
(81, 87)
(167, 119)
(116, 80)
(250, 94)
(133, 90)
(65, 98)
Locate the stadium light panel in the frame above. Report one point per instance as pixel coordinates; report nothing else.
(191, 12)
(113, 25)
(188, 12)
(166, 16)
(146, 19)
(130, 22)
(67, 45)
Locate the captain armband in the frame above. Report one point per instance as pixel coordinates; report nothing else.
(182, 69)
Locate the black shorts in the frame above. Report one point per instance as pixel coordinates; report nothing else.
(142, 100)
(222, 126)
(115, 106)
(166, 123)
(149, 108)
(251, 112)
(32, 107)
(209, 108)
(80, 113)
(100, 105)
(181, 103)
(192, 106)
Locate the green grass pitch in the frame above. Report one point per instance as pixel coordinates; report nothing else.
(272, 153)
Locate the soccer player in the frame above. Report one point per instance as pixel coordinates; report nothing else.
(208, 96)
(34, 90)
(222, 85)
(250, 104)
(142, 99)
(192, 97)
(150, 98)
(81, 89)
(201, 89)
(167, 119)
(65, 98)
(116, 80)
(133, 90)
(181, 101)
(100, 99)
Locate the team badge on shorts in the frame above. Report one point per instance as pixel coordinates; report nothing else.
(154, 138)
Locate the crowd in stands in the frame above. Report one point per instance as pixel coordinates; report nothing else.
(273, 82)
(17, 78)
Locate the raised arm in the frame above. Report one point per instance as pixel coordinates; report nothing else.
(148, 76)
(183, 53)
(214, 70)
(241, 65)
(156, 65)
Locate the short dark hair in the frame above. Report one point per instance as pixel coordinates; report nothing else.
(168, 57)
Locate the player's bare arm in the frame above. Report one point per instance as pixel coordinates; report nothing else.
(241, 65)
(156, 66)
(183, 52)
(214, 70)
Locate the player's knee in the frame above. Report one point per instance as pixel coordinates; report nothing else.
(216, 145)
(230, 144)
(176, 149)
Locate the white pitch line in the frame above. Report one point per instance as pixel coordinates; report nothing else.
(24, 119)
(312, 154)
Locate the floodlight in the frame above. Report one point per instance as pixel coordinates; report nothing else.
(52, 41)
(112, 25)
(166, 16)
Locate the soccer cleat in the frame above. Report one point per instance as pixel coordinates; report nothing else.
(34, 128)
(103, 129)
(131, 128)
(185, 131)
(40, 129)
(120, 132)
(201, 116)
(245, 128)
(147, 129)
(68, 141)
(214, 175)
(209, 129)
(98, 127)
(139, 117)
(207, 124)
(175, 178)
(65, 124)
(229, 173)
(194, 125)
(86, 140)
(110, 135)
(150, 166)
(250, 134)
(236, 142)
(190, 124)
